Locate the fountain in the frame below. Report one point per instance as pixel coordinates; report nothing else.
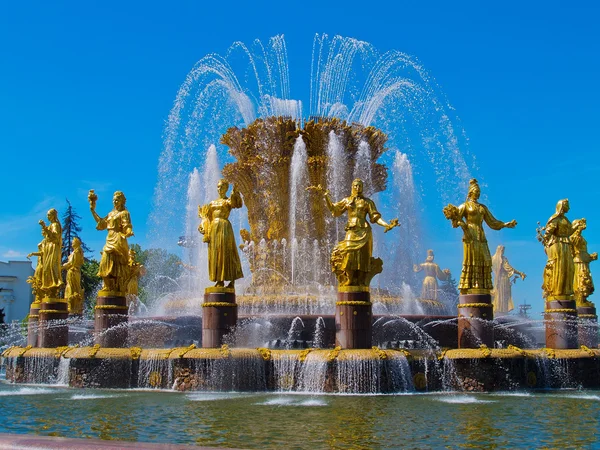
(308, 315)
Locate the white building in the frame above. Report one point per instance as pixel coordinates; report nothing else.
(15, 292)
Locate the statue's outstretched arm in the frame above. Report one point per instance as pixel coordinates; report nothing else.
(494, 223)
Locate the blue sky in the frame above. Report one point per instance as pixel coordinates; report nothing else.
(85, 87)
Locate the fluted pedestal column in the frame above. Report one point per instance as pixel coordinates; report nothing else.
(475, 316)
(33, 324)
(53, 330)
(219, 315)
(110, 320)
(587, 328)
(561, 323)
(353, 317)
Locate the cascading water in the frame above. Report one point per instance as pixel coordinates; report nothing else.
(362, 167)
(299, 215)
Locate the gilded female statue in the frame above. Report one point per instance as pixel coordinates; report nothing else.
(583, 285)
(429, 290)
(51, 249)
(476, 275)
(36, 279)
(503, 271)
(73, 291)
(114, 269)
(223, 258)
(560, 268)
(351, 259)
(136, 271)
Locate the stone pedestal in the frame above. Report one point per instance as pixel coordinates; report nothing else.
(33, 324)
(475, 316)
(561, 323)
(587, 328)
(353, 318)
(219, 315)
(110, 320)
(53, 330)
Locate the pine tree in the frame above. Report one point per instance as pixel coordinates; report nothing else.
(71, 230)
(449, 289)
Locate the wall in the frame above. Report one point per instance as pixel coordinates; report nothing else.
(15, 292)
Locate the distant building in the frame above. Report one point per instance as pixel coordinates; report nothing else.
(15, 292)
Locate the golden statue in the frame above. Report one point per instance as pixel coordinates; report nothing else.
(114, 268)
(476, 275)
(36, 279)
(351, 258)
(429, 290)
(223, 259)
(51, 274)
(136, 271)
(503, 271)
(559, 271)
(73, 291)
(583, 285)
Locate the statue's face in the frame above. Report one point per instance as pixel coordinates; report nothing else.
(357, 187)
(222, 188)
(118, 202)
(51, 215)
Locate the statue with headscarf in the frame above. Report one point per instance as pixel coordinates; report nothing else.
(583, 285)
(476, 275)
(559, 271)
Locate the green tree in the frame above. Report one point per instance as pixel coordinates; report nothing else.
(90, 281)
(449, 289)
(71, 230)
(163, 271)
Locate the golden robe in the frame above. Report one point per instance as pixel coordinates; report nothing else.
(560, 268)
(430, 288)
(223, 258)
(73, 291)
(115, 254)
(583, 285)
(51, 275)
(354, 252)
(477, 261)
(502, 298)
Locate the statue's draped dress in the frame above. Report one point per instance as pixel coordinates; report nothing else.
(73, 291)
(223, 258)
(583, 285)
(355, 251)
(477, 261)
(115, 254)
(51, 251)
(560, 268)
(430, 288)
(502, 300)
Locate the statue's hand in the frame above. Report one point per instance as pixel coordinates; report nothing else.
(393, 224)
(29, 256)
(511, 224)
(42, 223)
(594, 256)
(446, 271)
(319, 189)
(415, 268)
(523, 275)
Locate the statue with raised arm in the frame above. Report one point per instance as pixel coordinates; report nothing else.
(476, 275)
(430, 288)
(223, 258)
(114, 268)
(583, 285)
(74, 291)
(559, 271)
(51, 275)
(351, 259)
(503, 279)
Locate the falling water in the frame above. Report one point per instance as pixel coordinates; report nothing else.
(298, 198)
(362, 167)
(319, 338)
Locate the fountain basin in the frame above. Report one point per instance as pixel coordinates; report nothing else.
(338, 371)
